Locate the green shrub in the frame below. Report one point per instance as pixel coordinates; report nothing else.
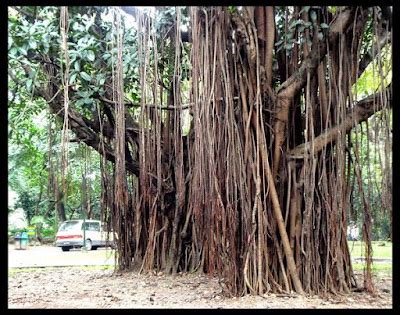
(49, 232)
(12, 232)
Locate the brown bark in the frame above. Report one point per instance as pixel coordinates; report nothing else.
(60, 205)
(362, 111)
(282, 227)
(296, 82)
(270, 41)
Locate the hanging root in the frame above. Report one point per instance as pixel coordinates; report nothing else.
(228, 198)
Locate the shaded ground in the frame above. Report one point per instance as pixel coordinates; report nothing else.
(69, 287)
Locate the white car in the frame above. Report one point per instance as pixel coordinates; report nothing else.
(72, 233)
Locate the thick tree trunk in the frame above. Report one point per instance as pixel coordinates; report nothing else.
(254, 193)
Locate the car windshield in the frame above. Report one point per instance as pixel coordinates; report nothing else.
(69, 226)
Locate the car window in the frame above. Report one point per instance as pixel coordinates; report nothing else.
(94, 226)
(85, 226)
(69, 226)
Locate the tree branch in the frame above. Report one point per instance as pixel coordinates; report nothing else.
(270, 30)
(79, 125)
(169, 107)
(296, 82)
(86, 130)
(361, 112)
(369, 56)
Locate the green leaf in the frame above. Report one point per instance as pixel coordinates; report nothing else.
(29, 84)
(46, 47)
(332, 9)
(90, 55)
(313, 15)
(232, 9)
(32, 44)
(88, 101)
(77, 66)
(13, 52)
(324, 25)
(32, 74)
(37, 220)
(85, 76)
(10, 42)
(80, 102)
(72, 78)
(320, 36)
(23, 51)
(75, 26)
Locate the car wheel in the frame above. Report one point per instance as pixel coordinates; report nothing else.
(65, 248)
(94, 247)
(88, 245)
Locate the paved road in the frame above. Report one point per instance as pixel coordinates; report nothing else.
(374, 260)
(51, 256)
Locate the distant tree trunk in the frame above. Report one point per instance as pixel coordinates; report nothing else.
(50, 183)
(84, 197)
(39, 199)
(60, 205)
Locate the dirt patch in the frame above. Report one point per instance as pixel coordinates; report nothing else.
(76, 288)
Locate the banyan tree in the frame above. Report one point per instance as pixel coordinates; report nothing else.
(229, 136)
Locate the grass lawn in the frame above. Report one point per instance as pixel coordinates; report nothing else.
(381, 268)
(357, 249)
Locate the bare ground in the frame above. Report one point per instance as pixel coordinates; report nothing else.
(77, 288)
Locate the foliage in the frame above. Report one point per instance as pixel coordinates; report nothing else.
(371, 79)
(27, 203)
(287, 37)
(13, 232)
(89, 48)
(48, 232)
